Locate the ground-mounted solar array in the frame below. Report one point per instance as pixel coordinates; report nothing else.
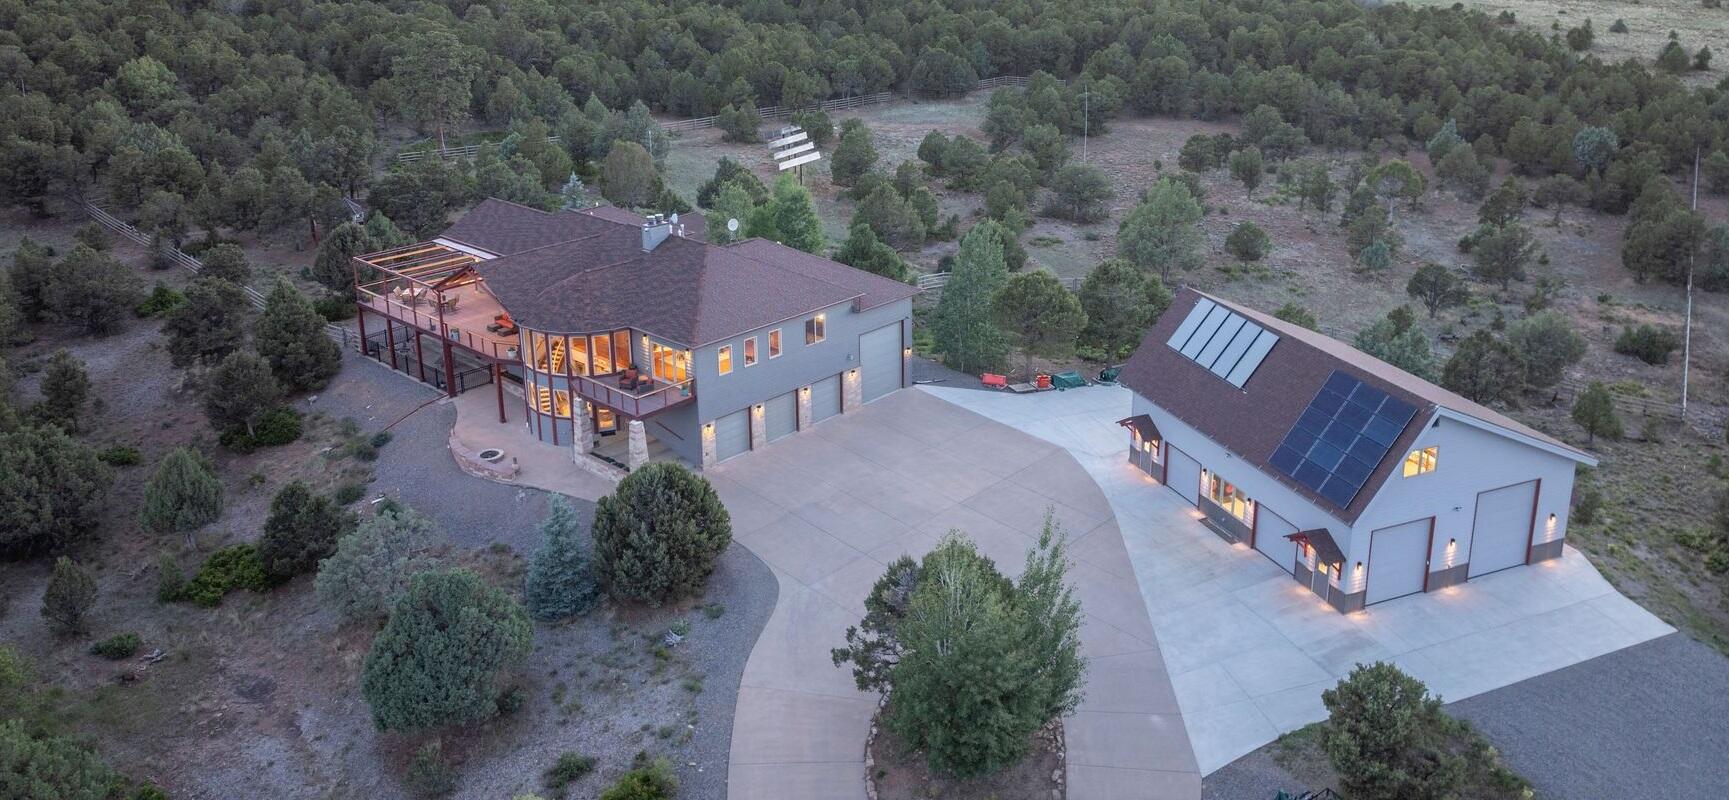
(1340, 438)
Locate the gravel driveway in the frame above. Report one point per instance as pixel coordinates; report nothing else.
(1646, 721)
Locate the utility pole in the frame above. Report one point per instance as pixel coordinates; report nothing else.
(1687, 337)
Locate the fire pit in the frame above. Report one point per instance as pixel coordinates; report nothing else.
(491, 455)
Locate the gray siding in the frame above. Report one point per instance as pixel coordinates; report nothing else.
(798, 364)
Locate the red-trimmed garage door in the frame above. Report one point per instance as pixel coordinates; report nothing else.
(1270, 532)
(1501, 535)
(1185, 475)
(1398, 560)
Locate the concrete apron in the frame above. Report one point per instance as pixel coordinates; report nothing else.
(829, 507)
(1250, 651)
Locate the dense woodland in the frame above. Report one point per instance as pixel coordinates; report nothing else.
(212, 124)
(260, 116)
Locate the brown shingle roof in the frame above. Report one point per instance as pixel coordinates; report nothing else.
(1252, 421)
(598, 277)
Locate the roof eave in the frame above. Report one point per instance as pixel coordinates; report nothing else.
(1563, 451)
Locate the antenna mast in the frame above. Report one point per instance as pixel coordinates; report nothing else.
(1687, 338)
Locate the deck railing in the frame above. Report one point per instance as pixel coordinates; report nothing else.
(603, 389)
(429, 321)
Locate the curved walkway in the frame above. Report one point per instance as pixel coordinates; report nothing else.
(829, 507)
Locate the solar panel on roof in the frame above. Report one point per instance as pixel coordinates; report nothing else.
(1342, 435)
(1228, 344)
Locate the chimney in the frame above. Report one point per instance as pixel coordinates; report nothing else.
(655, 229)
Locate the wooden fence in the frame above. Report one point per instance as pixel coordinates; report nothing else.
(337, 332)
(1645, 407)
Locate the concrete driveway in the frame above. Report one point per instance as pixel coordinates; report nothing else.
(829, 507)
(1249, 650)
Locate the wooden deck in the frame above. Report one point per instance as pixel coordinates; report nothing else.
(465, 325)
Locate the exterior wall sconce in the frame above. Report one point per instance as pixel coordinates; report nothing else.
(806, 391)
(1452, 543)
(854, 372)
(906, 352)
(1551, 519)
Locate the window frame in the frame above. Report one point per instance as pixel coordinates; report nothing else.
(750, 351)
(1219, 490)
(1421, 461)
(774, 348)
(816, 329)
(723, 359)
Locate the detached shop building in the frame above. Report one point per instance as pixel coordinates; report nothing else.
(1362, 481)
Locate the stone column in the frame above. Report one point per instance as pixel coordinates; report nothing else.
(758, 428)
(584, 431)
(638, 455)
(852, 392)
(708, 451)
(804, 408)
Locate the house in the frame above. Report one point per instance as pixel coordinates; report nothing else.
(610, 321)
(1362, 481)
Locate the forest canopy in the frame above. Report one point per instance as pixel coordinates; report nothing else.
(262, 115)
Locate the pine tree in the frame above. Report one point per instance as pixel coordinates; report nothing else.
(1485, 369)
(854, 156)
(962, 326)
(228, 262)
(628, 176)
(1041, 314)
(439, 658)
(69, 596)
(291, 336)
(211, 323)
(656, 537)
(862, 249)
(790, 217)
(1594, 410)
(560, 580)
(1163, 233)
(333, 264)
(52, 489)
(181, 496)
(1548, 345)
(65, 392)
(372, 565)
(1383, 736)
(239, 391)
(303, 527)
(1437, 287)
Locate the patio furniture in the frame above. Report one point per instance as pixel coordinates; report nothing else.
(1068, 380)
(994, 380)
(627, 380)
(450, 301)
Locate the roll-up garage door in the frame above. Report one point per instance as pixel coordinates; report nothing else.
(1270, 532)
(825, 398)
(1185, 475)
(1501, 534)
(731, 435)
(780, 416)
(1398, 560)
(880, 355)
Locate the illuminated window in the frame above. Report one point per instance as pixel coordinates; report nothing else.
(561, 403)
(816, 329)
(1227, 496)
(774, 343)
(1421, 461)
(725, 359)
(750, 351)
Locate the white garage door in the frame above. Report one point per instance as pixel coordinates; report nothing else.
(825, 398)
(1502, 532)
(780, 416)
(731, 435)
(1270, 532)
(1185, 475)
(1398, 560)
(880, 355)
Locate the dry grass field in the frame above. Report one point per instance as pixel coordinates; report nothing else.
(1648, 25)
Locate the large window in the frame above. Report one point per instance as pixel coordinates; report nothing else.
(725, 359)
(816, 329)
(621, 349)
(671, 364)
(579, 355)
(537, 351)
(1227, 496)
(600, 349)
(750, 351)
(1421, 461)
(556, 355)
(774, 343)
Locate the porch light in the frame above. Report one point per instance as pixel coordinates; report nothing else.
(1452, 543)
(1551, 520)
(906, 352)
(1359, 566)
(806, 391)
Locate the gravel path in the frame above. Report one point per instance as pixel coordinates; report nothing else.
(924, 370)
(1646, 721)
(416, 467)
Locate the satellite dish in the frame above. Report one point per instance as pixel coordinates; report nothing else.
(732, 226)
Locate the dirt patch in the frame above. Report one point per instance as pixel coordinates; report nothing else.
(900, 773)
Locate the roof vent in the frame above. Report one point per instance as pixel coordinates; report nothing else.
(655, 229)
